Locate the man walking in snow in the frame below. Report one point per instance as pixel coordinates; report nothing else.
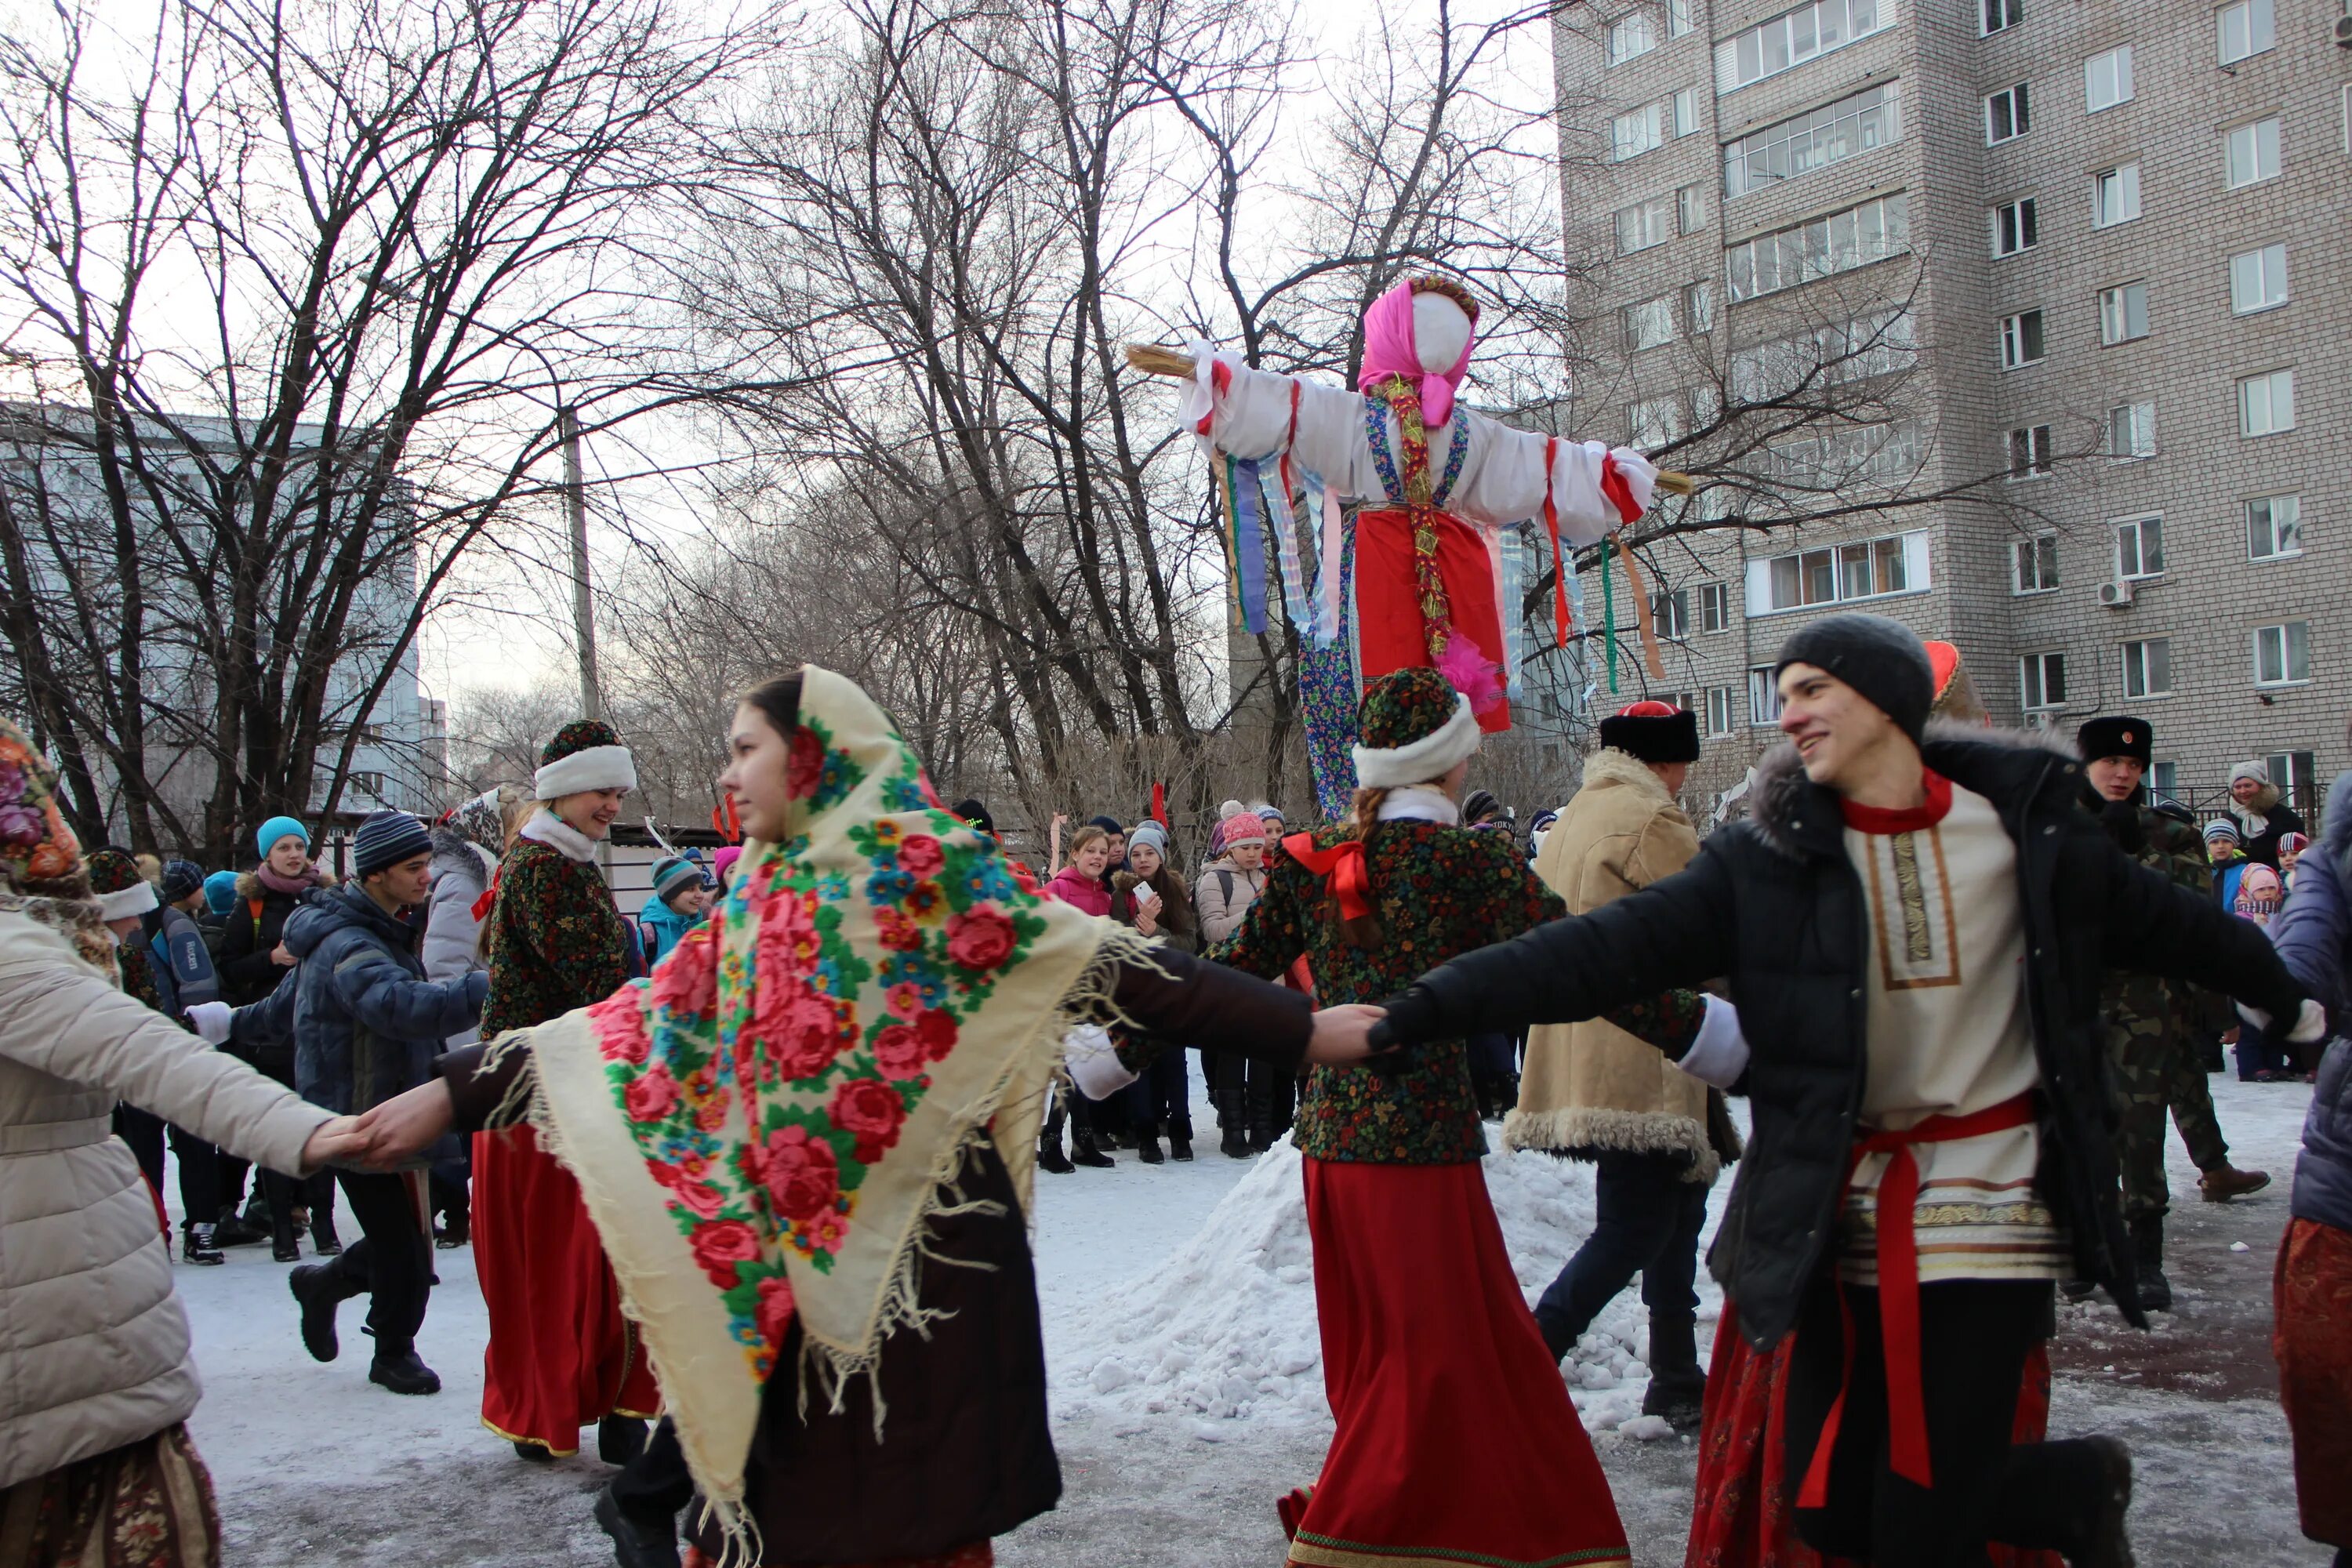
(2148, 1051)
(1916, 923)
(1601, 1090)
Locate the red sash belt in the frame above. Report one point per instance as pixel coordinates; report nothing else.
(1898, 1292)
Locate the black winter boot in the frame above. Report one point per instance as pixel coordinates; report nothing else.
(285, 1241)
(620, 1438)
(1146, 1144)
(196, 1244)
(232, 1231)
(1677, 1387)
(2107, 1544)
(1179, 1147)
(1083, 1150)
(316, 1291)
(1049, 1151)
(637, 1542)
(2147, 1248)
(322, 1233)
(403, 1373)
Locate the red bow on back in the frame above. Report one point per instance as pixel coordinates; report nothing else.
(1342, 866)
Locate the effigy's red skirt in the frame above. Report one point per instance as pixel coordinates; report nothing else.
(561, 1354)
(1741, 1517)
(1457, 1445)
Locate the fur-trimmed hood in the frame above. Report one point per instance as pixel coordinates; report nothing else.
(250, 886)
(1794, 815)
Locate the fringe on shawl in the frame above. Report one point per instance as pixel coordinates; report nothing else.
(1090, 998)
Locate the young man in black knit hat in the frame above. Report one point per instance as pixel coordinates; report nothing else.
(1916, 924)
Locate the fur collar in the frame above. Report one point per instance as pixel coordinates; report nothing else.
(1611, 766)
(546, 828)
(1983, 759)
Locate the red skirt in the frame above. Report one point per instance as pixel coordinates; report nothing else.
(2312, 1295)
(561, 1354)
(1391, 632)
(1457, 1445)
(1741, 1517)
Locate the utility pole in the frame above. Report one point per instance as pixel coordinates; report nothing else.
(583, 615)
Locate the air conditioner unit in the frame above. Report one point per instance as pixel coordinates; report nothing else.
(2344, 32)
(2117, 595)
(2041, 719)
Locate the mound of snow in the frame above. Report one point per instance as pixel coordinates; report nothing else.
(1226, 1327)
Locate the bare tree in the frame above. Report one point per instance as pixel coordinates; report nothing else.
(300, 292)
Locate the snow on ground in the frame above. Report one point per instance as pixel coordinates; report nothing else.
(1176, 1301)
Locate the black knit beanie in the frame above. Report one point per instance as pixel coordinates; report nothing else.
(1883, 659)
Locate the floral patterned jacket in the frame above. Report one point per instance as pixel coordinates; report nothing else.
(555, 940)
(1437, 892)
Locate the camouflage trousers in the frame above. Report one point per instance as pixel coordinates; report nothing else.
(2154, 1069)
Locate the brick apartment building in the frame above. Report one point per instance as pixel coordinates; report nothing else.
(2098, 250)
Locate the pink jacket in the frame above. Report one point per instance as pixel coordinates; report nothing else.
(1078, 891)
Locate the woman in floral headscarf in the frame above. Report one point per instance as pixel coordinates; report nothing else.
(96, 1465)
(827, 1092)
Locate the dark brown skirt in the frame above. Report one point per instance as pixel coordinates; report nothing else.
(147, 1504)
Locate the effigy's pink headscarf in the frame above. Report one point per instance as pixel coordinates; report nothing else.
(1388, 349)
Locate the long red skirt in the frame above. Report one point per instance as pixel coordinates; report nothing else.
(1391, 632)
(1457, 1445)
(2311, 1292)
(1741, 1518)
(561, 1354)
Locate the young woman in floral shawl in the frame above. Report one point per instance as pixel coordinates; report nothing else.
(807, 1142)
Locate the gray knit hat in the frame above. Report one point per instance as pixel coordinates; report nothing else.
(386, 838)
(1883, 659)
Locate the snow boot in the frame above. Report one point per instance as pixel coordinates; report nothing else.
(2106, 1543)
(1083, 1152)
(1180, 1148)
(1049, 1151)
(620, 1438)
(637, 1542)
(2078, 1289)
(2223, 1183)
(319, 1295)
(403, 1373)
(1146, 1147)
(232, 1231)
(196, 1246)
(537, 1453)
(2147, 1247)
(1677, 1387)
(453, 1233)
(322, 1233)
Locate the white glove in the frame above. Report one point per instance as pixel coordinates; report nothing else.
(211, 1019)
(2310, 1024)
(1719, 1055)
(1094, 1062)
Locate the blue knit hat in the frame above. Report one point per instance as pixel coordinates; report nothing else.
(276, 829)
(386, 838)
(675, 873)
(220, 892)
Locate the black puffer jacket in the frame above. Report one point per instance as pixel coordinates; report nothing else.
(1774, 904)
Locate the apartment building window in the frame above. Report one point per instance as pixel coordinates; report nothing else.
(2107, 79)
(2296, 774)
(1843, 240)
(1633, 134)
(1698, 306)
(2029, 452)
(1872, 569)
(1763, 697)
(1670, 611)
(2008, 115)
(1684, 110)
(2282, 654)
(1718, 711)
(1633, 35)
(2273, 527)
(2016, 225)
(2021, 340)
(2131, 430)
(2041, 681)
(2000, 15)
(1649, 324)
(1791, 39)
(1656, 421)
(1681, 18)
(2033, 563)
(2164, 780)
(2258, 281)
(2246, 28)
(1888, 454)
(2139, 546)
(1714, 607)
(1642, 225)
(2148, 667)
(2123, 313)
(368, 786)
(2115, 195)
(1690, 209)
(2253, 153)
(1831, 135)
(2267, 404)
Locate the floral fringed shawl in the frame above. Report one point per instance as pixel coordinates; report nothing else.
(41, 872)
(761, 1129)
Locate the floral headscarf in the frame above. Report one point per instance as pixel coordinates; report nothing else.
(480, 824)
(761, 1129)
(41, 873)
